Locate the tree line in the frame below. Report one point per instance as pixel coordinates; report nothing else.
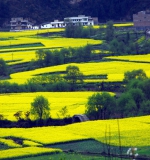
(71, 80)
(62, 56)
(133, 102)
(122, 41)
(79, 31)
(48, 10)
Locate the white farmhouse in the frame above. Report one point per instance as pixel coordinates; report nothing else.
(35, 27)
(55, 24)
(81, 19)
(20, 23)
(45, 25)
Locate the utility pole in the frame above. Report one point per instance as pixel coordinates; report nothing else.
(12, 52)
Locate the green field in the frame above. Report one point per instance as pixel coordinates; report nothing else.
(70, 156)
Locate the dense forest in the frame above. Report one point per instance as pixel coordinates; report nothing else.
(48, 10)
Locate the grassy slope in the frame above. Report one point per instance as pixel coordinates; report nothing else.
(63, 156)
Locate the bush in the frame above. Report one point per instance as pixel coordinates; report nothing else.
(4, 71)
(100, 106)
(60, 86)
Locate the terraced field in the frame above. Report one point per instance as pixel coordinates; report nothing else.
(134, 132)
(132, 58)
(114, 69)
(74, 101)
(131, 132)
(15, 50)
(11, 35)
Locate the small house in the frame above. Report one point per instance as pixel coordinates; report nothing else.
(19, 23)
(141, 20)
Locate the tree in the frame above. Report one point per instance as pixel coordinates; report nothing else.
(145, 86)
(40, 56)
(18, 115)
(27, 115)
(73, 31)
(114, 45)
(3, 68)
(109, 31)
(126, 106)
(63, 113)
(1, 117)
(138, 96)
(73, 76)
(4, 12)
(40, 108)
(58, 58)
(48, 58)
(135, 74)
(100, 106)
(145, 108)
(87, 52)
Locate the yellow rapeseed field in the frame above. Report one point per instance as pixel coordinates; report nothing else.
(116, 25)
(74, 101)
(21, 55)
(123, 24)
(136, 58)
(24, 152)
(31, 144)
(133, 132)
(114, 69)
(16, 34)
(9, 142)
(18, 57)
(49, 42)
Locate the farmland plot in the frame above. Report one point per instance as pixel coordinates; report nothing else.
(49, 42)
(74, 101)
(28, 33)
(25, 152)
(21, 54)
(18, 57)
(136, 58)
(115, 70)
(131, 132)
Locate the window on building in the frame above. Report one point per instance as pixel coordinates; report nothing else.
(85, 19)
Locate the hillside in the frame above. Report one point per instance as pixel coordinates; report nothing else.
(48, 10)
